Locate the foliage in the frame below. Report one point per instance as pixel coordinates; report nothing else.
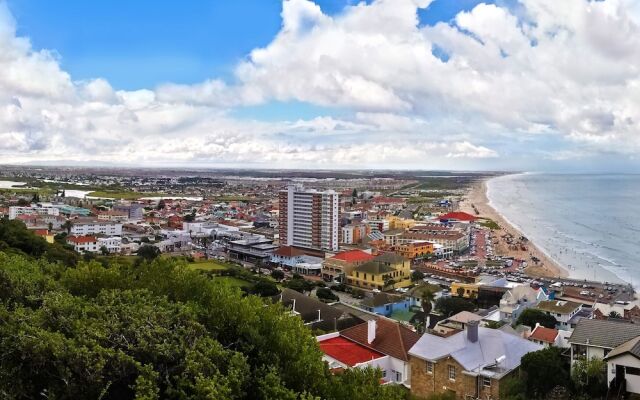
(19, 239)
(494, 324)
(426, 300)
(589, 377)
(542, 371)
(417, 276)
(158, 330)
(452, 305)
(265, 289)
(531, 316)
(326, 294)
(148, 252)
(277, 274)
(460, 291)
(615, 315)
(512, 388)
(299, 284)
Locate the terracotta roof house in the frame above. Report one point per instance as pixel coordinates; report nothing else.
(469, 364)
(340, 265)
(545, 336)
(382, 336)
(457, 216)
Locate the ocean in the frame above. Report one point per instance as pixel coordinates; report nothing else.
(589, 224)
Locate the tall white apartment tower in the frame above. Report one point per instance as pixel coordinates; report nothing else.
(308, 218)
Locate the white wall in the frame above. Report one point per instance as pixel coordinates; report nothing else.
(633, 381)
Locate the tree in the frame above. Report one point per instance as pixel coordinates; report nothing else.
(277, 274)
(326, 294)
(449, 306)
(542, 371)
(190, 217)
(531, 316)
(148, 252)
(161, 205)
(354, 194)
(614, 315)
(426, 300)
(300, 285)
(265, 289)
(417, 276)
(589, 377)
(104, 250)
(389, 282)
(67, 226)
(460, 291)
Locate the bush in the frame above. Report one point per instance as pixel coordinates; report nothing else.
(417, 276)
(277, 274)
(531, 316)
(326, 294)
(449, 306)
(264, 289)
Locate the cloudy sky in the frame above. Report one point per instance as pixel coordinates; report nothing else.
(442, 84)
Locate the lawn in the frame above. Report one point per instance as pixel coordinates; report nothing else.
(491, 224)
(233, 281)
(124, 195)
(209, 265)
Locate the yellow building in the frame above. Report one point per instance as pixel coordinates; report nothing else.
(380, 271)
(396, 222)
(470, 289)
(413, 250)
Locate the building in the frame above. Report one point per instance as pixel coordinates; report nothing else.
(252, 248)
(386, 304)
(563, 311)
(546, 337)
(308, 218)
(89, 226)
(135, 211)
(623, 368)
(518, 299)
(455, 323)
(45, 234)
(596, 337)
(375, 274)
(470, 364)
(112, 244)
(34, 209)
(457, 216)
(287, 256)
(378, 343)
(340, 265)
(457, 241)
(414, 250)
(354, 233)
(83, 244)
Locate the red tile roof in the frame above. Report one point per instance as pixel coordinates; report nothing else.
(81, 239)
(288, 251)
(347, 351)
(544, 334)
(459, 216)
(41, 232)
(391, 338)
(354, 256)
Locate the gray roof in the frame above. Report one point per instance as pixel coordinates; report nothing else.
(603, 333)
(477, 357)
(632, 347)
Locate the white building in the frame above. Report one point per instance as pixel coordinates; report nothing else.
(112, 244)
(34, 209)
(623, 365)
(518, 299)
(83, 227)
(83, 244)
(308, 218)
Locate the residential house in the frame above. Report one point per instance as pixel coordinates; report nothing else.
(340, 265)
(380, 343)
(45, 234)
(456, 323)
(548, 337)
(596, 338)
(383, 269)
(623, 368)
(563, 311)
(83, 244)
(386, 304)
(469, 364)
(287, 256)
(518, 299)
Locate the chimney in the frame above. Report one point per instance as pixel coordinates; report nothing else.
(371, 331)
(472, 331)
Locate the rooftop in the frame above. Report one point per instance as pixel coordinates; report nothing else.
(374, 267)
(347, 351)
(353, 256)
(543, 334)
(603, 333)
(392, 338)
(558, 306)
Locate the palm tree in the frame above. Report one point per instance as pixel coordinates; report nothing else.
(614, 314)
(67, 225)
(426, 300)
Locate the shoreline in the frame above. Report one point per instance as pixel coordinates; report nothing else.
(477, 198)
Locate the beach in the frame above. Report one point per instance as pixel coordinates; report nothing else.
(476, 200)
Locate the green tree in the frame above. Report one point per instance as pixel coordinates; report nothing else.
(589, 377)
(543, 370)
(277, 274)
(417, 276)
(148, 252)
(449, 306)
(531, 316)
(326, 294)
(265, 289)
(460, 291)
(614, 315)
(104, 250)
(67, 226)
(426, 300)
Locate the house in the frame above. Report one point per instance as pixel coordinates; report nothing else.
(548, 337)
(386, 304)
(518, 299)
(596, 338)
(468, 364)
(456, 323)
(287, 256)
(340, 265)
(623, 367)
(45, 234)
(414, 249)
(377, 273)
(563, 311)
(83, 243)
(387, 342)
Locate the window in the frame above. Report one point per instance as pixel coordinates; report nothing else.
(429, 367)
(384, 373)
(452, 373)
(486, 382)
(632, 371)
(396, 375)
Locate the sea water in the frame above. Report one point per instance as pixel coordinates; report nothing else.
(590, 224)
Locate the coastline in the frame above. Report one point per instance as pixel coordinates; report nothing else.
(545, 267)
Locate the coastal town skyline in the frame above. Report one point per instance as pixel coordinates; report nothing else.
(334, 84)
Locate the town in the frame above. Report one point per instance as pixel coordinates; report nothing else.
(385, 270)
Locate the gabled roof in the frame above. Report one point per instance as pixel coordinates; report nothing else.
(307, 306)
(81, 239)
(391, 258)
(458, 216)
(374, 267)
(494, 354)
(558, 306)
(347, 351)
(631, 347)
(392, 338)
(544, 334)
(464, 317)
(288, 251)
(603, 333)
(353, 256)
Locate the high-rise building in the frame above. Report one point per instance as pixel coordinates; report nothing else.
(308, 218)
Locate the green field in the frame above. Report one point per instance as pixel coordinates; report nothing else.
(124, 195)
(209, 265)
(233, 281)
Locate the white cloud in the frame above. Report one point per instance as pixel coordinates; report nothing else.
(569, 69)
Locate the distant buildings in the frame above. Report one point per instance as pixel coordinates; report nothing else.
(386, 271)
(90, 226)
(34, 209)
(340, 265)
(308, 218)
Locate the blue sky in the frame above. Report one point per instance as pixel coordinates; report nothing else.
(441, 84)
(143, 43)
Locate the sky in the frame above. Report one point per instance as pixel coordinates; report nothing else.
(388, 84)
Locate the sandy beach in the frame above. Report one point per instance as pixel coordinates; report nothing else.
(476, 199)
